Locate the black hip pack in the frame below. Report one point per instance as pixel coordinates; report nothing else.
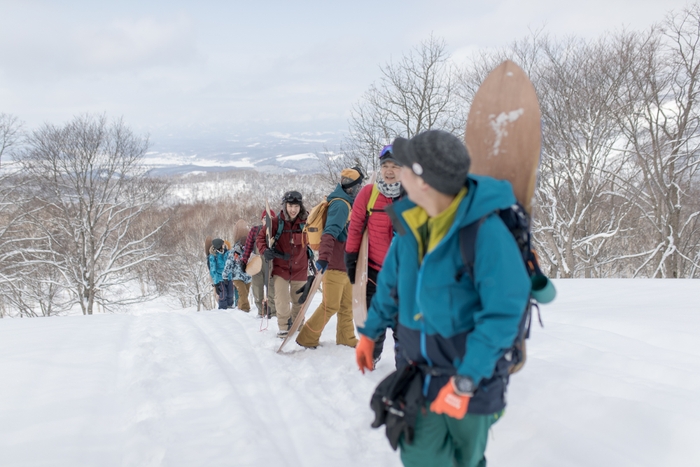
(396, 402)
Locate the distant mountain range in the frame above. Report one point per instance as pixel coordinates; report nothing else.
(273, 152)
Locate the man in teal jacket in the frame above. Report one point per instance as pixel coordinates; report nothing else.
(457, 330)
(337, 290)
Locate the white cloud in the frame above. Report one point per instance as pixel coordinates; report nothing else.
(140, 42)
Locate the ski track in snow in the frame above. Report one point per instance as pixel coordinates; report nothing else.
(611, 380)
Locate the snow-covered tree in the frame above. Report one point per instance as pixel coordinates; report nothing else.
(413, 94)
(579, 207)
(12, 212)
(87, 176)
(662, 131)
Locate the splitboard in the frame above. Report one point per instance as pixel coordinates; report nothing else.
(304, 308)
(503, 134)
(359, 288)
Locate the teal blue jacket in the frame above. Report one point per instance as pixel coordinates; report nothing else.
(335, 231)
(444, 319)
(338, 214)
(217, 263)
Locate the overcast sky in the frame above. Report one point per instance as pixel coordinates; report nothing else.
(180, 66)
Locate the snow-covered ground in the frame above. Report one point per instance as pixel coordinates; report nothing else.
(613, 379)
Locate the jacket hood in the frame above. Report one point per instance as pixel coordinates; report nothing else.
(339, 193)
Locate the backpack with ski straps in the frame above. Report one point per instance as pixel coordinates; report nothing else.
(517, 221)
(316, 221)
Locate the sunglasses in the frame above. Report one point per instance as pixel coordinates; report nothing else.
(292, 197)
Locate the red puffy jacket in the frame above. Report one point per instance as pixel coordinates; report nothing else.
(380, 231)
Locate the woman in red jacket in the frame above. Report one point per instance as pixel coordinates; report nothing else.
(368, 212)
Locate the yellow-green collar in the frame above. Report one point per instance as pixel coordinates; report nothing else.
(439, 225)
(432, 230)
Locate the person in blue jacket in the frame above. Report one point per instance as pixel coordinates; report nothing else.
(455, 329)
(218, 254)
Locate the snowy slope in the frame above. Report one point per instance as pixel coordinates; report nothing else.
(612, 380)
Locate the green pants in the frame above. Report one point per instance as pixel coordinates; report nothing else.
(443, 441)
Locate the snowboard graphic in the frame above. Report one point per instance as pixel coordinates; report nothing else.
(503, 134)
(359, 288)
(296, 324)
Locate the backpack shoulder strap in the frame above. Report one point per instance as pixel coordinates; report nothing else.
(467, 247)
(280, 228)
(372, 200)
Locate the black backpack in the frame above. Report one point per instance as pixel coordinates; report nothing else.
(517, 220)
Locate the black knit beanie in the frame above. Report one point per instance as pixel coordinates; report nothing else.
(438, 157)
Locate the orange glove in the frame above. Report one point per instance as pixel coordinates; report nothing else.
(450, 403)
(363, 353)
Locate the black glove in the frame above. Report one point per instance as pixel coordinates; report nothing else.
(269, 254)
(351, 265)
(243, 266)
(304, 291)
(396, 403)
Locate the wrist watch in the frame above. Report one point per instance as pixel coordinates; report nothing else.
(463, 385)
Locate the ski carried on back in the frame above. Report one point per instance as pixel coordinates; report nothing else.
(359, 288)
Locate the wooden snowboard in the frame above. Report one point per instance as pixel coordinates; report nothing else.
(304, 308)
(255, 265)
(207, 247)
(359, 288)
(503, 134)
(240, 231)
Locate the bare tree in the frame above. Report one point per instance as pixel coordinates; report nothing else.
(88, 177)
(12, 211)
(414, 94)
(580, 207)
(186, 263)
(10, 132)
(662, 131)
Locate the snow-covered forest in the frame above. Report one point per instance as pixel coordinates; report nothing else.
(85, 227)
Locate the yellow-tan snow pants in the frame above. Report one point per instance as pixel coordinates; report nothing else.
(337, 299)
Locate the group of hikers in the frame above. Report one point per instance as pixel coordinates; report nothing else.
(451, 329)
